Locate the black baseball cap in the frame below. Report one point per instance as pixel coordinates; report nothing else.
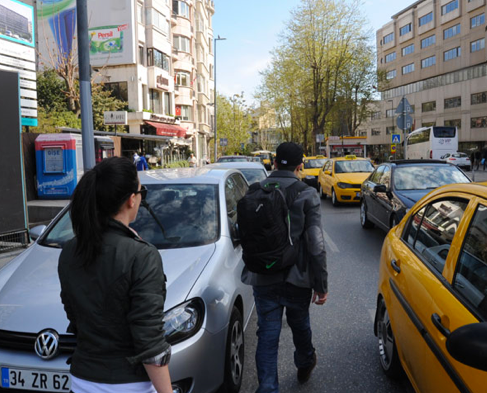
(289, 153)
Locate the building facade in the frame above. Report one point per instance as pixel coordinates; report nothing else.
(433, 53)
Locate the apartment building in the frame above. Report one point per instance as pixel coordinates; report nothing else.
(433, 53)
(155, 54)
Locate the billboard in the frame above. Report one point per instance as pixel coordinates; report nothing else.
(17, 22)
(111, 31)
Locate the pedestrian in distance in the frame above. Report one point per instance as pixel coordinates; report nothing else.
(287, 272)
(142, 163)
(472, 160)
(113, 288)
(478, 157)
(192, 161)
(484, 157)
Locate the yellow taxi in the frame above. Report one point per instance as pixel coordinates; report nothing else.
(342, 177)
(431, 317)
(267, 158)
(311, 169)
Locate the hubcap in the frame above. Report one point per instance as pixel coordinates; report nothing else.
(386, 338)
(236, 352)
(333, 195)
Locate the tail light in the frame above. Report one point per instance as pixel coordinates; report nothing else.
(431, 154)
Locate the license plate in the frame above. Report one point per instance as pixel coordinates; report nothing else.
(15, 378)
(357, 194)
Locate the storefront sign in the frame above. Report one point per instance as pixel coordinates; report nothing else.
(165, 119)
(115, 118)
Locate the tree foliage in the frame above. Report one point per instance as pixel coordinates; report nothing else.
(321, 75)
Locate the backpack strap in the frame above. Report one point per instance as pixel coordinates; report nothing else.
(293, 191)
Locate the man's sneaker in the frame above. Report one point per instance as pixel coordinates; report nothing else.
(305, 372)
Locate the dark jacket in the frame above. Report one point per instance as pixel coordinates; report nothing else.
(310, 270)
(115, 307)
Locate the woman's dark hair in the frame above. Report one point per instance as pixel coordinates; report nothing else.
(98, 197)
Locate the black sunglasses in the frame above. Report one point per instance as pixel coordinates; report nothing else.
(142, 192)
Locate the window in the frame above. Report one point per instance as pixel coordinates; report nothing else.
(390, 130)
(408, 50)
(428, 62)
(388, 38)
(167, 103)
(452, 54)
(155, 101)
(235, 189)
(426, 19)
(477, 21)
(183, 78)
(470, 279)
(141, 56)
(431, 231)
(180, 8)
(184, 112)
(408, 69)
(478, 98)
(451, 32)
(375, 177)
(478, 122)
(390, 57)
(428, 41)
(119, 90)
(391, 74)
(452, 5)
(429, 124)
(181, 43)
(453, 123)
(375, 131)
(390, 112)
(386, 177)
(428, 106)
(156, 58)
(477, 45)
(140, 13)
(405, 29)
(454, 102)
(157, 20)
(375, 115)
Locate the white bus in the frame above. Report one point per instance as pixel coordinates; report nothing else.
(431, 142)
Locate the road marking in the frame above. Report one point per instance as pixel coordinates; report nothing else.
(330, 243)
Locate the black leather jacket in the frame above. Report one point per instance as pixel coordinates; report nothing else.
(115, 307)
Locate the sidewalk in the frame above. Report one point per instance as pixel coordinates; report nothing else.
(478, 176)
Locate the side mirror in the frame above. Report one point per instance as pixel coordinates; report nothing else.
(234, 233)
(327, 172)
(36, 232)
(468, 345)
(380, 188)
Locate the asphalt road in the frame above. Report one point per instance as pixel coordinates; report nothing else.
(343, 335)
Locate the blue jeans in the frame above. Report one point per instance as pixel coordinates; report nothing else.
(270, 301)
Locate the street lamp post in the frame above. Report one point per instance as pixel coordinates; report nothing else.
(214, 92)
(392, 117)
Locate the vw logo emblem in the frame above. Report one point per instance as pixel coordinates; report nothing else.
(47, 344)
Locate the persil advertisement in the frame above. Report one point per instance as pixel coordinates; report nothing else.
(111, 30)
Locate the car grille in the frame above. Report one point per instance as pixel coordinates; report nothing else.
(26, 341)
(355, 186)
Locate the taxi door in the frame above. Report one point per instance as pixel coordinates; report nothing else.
(325, 177)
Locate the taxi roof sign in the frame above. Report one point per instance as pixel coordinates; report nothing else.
(350, 157)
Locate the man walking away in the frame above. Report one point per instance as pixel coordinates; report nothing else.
(293, 288)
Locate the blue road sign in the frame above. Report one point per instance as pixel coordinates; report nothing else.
(404, 122)
(396, 138)
(223, 142)
(404, 106)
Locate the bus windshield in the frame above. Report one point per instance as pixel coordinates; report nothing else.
(444, 132)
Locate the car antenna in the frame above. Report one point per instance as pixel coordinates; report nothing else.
(151, 212)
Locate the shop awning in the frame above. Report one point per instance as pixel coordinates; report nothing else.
(164, 129)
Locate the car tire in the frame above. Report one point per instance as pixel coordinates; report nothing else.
(389, 359)
(234, 354)
(334, 199)
(322, 194)
(364, 220)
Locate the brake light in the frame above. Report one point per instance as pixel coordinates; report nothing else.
(452, 159)
(431, 154)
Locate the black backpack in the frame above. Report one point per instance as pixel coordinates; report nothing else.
(265, 228)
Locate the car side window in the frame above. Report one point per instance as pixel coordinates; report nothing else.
(235, 189)
(432, 229)
(327, 166)
(375, 177)
(386, 176)
(471, 272)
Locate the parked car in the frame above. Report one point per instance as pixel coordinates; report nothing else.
(431, 317)
(395, 186)
(458, 159)
(252, 171)
(342, 177)
(311, 170)
(233, 159)
(206, 309)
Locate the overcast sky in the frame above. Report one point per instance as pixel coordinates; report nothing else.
(251, 29)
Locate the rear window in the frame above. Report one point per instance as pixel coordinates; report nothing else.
(444, 132)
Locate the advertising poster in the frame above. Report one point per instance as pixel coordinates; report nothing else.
(17, 22)
(111, 31)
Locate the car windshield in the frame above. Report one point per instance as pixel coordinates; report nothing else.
(353, 166)
(318, 163)
(425, 177)
(187, 212)
(232, 159)
(265, 156)
(253, 175)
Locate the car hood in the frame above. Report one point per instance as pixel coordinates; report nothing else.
(29, 286)
(352, 178)
(410, 197)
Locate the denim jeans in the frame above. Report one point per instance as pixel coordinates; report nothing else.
(270, 302)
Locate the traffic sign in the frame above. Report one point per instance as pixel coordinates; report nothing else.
(223, 142)
(404, 106)
(396, 138)
(404, 122)
(393, 148)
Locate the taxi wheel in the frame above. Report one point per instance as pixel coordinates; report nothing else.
(334, 199)
(234, 358)
(389, 358)
(363, 216)
(322, 194)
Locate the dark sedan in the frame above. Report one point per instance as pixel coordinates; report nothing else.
(390, 191)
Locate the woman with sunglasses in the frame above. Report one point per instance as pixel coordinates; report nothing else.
(113, 288)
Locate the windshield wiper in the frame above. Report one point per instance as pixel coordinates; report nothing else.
(151, 212)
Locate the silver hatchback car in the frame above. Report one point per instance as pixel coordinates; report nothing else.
(191, 220)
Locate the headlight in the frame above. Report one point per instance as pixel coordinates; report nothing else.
(183, 321)
(345, 185)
